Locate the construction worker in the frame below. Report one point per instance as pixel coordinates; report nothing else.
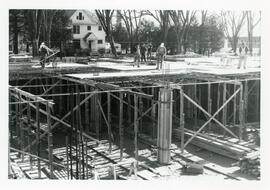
(242, 57)
(143, 51)
(149, 52)
(137, 56)
(161, 53)
(44, 52)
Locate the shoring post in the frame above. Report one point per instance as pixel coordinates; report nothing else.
(21, 128)
(129, 108)
(67, 157)
(38, 139)
(76, 134)
(50, 142)
(109, 121)
(246, 101)
(71, 100)
(153, 114)
(209, 103)
(121, 124)
(87, 115)
(194, 107)
(241, 113)
(218, 99)
(140, 113)
(182, 119)
(224, 114)
(29, 132)
(234, 105)
(136, 127)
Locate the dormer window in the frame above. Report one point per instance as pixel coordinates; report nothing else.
(88, 27)
(99, 27)
(80, 17)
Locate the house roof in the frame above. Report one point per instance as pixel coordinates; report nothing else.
(92, 16)
(70, 12)
(90, 35)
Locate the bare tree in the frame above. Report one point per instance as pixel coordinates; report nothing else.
(182, 21)
(34, 18)
(162, 17)
(47, 19)
(132, 20)
(233, 23)
(251, 24)
(105, 19)
(16, 25)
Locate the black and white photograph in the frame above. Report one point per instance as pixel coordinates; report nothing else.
(134, 94)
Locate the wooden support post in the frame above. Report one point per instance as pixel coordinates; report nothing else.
(258, 101)
(61, 98)
(129, 109)
(67, 157)
(153, 114)
(17, 121)
(182, 119)
(140, 113)
(246, 102)
(209, 103)
(224, 114)
(234, 105)
(71, 99)
(218, 99)
(241, 113)
(29, 132)
(121, 130)
(50, 142)
(87, 115)
(109, 121)
(136, 127)
(21, 128)
(67, 97)
(195, 116)
(38, 139)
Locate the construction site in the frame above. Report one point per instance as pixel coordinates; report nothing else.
(105, 117)
(110, 120)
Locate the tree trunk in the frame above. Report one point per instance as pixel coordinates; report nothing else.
(15, 39)
(234, 43)
(35, 47)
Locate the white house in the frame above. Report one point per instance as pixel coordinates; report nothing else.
(87, 32)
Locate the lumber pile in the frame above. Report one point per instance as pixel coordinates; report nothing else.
(251, 164)
(223, 147)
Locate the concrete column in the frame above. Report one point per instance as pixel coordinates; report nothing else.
(164, 125)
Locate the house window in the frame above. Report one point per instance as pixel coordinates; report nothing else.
(80, 16)
(99, 28)
(100, 41)
(76, 44)
(88, 27)
(76, 29)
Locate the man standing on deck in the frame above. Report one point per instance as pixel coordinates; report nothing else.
(44, 51)
(242, 57)
(161, 53)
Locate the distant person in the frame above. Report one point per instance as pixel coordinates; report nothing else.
(143, 51)
(44, 52)
(161, 53)
(246, 50)
(242, 57)
(149, 52)
(137, 56)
